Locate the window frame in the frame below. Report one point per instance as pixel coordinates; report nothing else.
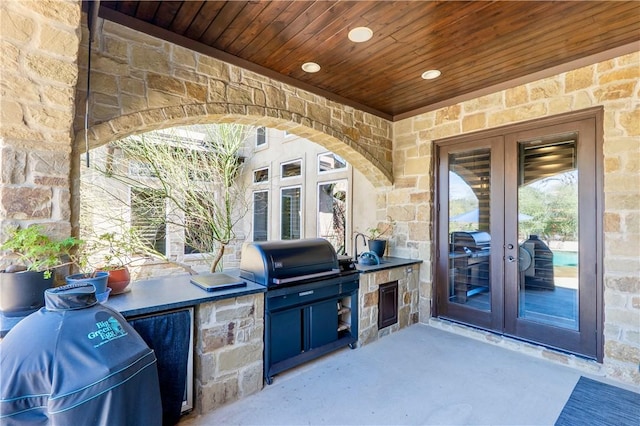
(253, 210)
(284, 163)
(301, 212)
(324, 172)
(265, 143)
(253, 175)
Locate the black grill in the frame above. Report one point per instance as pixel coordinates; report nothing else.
(311, 303)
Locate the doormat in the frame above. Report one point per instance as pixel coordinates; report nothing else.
(596, 403)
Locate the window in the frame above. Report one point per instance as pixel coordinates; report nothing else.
(291, 169)
(330, 162)
(260, 215)
(148, 217)
(290, 218)
(261, 175)
(332, 213)
(261, 137)
(192, 235)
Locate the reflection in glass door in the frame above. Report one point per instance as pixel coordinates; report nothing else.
(548, 233)
(469, 225)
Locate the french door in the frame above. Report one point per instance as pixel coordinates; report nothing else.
(518, 224)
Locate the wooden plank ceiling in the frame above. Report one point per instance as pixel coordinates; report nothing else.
(479, 46)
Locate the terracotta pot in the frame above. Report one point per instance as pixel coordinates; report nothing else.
(118, 280)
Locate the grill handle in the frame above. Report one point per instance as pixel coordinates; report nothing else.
(305, 277)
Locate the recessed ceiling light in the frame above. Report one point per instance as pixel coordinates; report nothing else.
(360, 34)
(431, 74)
(310, 67)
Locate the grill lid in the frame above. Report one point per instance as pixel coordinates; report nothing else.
(272, 263)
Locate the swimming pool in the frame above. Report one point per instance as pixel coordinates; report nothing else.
(565, 258)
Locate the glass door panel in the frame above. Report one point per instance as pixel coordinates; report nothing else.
(470, 238)
(548, 233)
(469, 224)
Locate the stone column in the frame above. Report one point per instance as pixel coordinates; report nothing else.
(39, 43)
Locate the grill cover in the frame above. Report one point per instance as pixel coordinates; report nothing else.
(272, 263)
(77, 362)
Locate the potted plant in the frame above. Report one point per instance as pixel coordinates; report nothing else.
(115, 252)
(31, 257)
(104, 258)
(377, 236)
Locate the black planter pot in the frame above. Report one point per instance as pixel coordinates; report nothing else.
(22, 293)
(378, 246)
(98, 279)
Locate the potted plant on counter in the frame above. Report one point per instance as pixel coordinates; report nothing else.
(105, 258)
(31, 256)
(377, 236)
(116, 253)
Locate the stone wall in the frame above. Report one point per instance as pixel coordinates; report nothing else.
(141, 83)
(407, 278)
(613, 84)
(228, 351)
(38, 52)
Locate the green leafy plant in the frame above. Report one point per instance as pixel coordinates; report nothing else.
(39, 252)
(383, 230)
(112, 250)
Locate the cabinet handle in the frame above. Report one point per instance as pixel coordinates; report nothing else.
(305, 293)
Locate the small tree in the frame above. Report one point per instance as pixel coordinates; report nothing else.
(197, 178)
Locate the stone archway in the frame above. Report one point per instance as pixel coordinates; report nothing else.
(141, 83)
(166, 117)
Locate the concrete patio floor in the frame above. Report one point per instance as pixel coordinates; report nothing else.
(417, 376)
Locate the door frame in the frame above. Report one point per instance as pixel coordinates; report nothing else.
(595, 113)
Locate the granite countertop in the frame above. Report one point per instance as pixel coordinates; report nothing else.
(387, 263)
(157, 295)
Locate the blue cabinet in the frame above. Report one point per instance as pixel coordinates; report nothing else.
(309, 321)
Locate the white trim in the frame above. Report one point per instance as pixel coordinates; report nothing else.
(301, 211)
(253, 175)
(322, 172)
(298, 160)
(253, 212)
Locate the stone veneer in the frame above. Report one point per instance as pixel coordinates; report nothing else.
(368, 301)
(141, 83)
(228, 351)
(39, 43)
(613, 84)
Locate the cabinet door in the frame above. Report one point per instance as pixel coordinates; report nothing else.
(286, 337)
(323, 323)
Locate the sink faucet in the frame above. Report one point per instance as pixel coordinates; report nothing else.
(355, 244)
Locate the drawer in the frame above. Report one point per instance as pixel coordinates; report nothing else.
(300, 295)
(350, 286)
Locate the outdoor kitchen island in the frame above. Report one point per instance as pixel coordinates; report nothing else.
(388, 297)
(228, 327)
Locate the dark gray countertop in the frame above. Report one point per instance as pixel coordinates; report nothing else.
(162, 294)
(387, 263)
(173, 292)
(157, 295)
